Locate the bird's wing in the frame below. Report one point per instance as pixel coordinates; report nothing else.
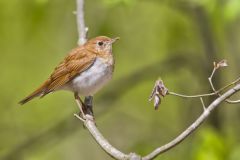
(72, 65)
(79, 60)
(76, 62)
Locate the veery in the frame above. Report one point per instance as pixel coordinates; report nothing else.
(84, 71)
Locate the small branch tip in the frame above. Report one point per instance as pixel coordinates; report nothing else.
(78, 117)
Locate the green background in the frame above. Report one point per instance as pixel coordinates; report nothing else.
(177, 40)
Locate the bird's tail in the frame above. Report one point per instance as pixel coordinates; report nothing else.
(39, 92)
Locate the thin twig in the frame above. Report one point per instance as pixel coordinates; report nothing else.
(192, 96)
(82, 29)
(216, 92)
(213, 72)
(78, 117)
(193, 126)
(223, 88)
(230, 84)
(232, 101)
(203, 104)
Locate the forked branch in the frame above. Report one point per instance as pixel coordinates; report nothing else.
(194, 125)
(159, 91)
(88, 120)
(229, 85)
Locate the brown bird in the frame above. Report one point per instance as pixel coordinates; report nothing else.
(84, 71)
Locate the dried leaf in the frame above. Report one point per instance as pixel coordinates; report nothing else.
(157, 101)
(159, 90)
(222, 63)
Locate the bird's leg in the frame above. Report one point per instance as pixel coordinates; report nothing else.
(80, 105)
(88, 102)
(85, 112)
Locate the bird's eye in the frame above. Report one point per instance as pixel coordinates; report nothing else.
(100, 43)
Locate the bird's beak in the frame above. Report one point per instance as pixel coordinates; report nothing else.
(115, 39)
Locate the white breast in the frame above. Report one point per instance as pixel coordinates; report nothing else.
(90, 81)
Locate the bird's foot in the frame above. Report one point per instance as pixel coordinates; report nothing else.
(86, 115)
(86, 111)
(88, 105)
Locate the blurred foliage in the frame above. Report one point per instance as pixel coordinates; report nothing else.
(232, 10)
(210, 146)
(175, 39)
(113, 3)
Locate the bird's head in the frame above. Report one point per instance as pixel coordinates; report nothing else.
(101, 44)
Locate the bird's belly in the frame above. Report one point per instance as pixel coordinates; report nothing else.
(90, 81)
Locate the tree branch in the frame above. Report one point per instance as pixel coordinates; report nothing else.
(115, 153)
(133, 79)
(192, 96)
(88, 119)
(194, 125)
(159, 89)
(89, 123)
(82, 29)
(230, 84)
(105, 145)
